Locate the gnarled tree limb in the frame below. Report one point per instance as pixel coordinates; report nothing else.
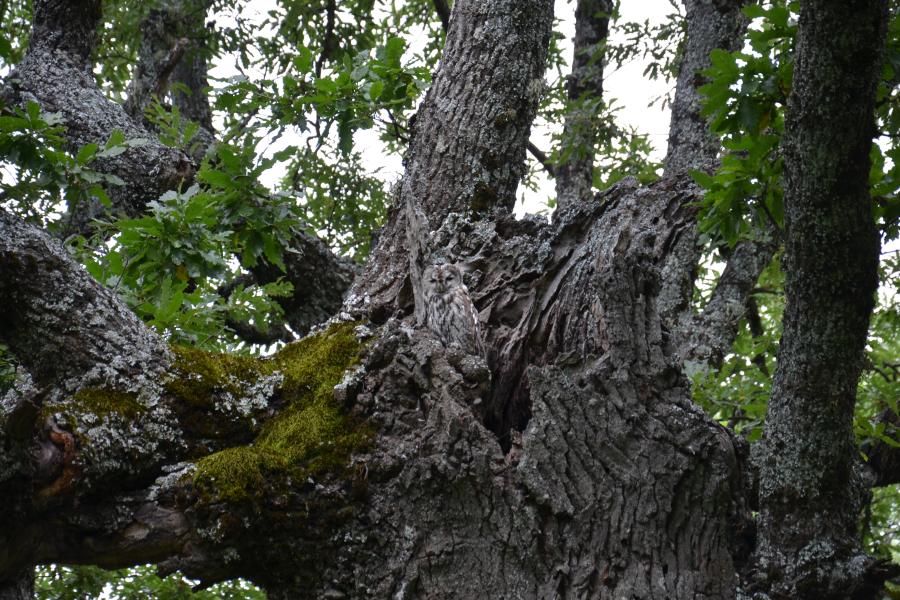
(56, 74)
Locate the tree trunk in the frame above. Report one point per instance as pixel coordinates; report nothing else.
(575, 173)
(711, 24)
(20, 588)
(811, 494)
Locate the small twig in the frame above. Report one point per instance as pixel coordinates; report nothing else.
(399, 130)
(541, 157)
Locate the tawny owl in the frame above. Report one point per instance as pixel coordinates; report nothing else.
(449, 311)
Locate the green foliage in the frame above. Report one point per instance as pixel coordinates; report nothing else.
(54, 582)
(372, 88)
(172, 129)
(15, 23)
(659, 46)
(746, 98)
(344, 205)
(737, 394)
(170, 264)
(881, 531)
(879, 389)
(7, 369)
(46, 172)
(331, 78)
(745, 101)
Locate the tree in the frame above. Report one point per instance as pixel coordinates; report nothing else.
(367, 459)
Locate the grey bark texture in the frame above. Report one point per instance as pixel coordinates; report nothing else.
(811, 492)
(706, 337)
(172, 59)
(571, 463)
(711, 24)
(575, 174)
(468, 146)
(56, 74)
(21, 588)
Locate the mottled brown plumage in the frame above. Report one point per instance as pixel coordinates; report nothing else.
(449, 311)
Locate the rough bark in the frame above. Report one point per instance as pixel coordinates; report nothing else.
(173, 51)
(573, 313)
(45, 292)
(468, 146)
(56, 73)
(575, 173)
(20, 588)
(711, 24)
(102, 446)
(810, 492)
(704, 338)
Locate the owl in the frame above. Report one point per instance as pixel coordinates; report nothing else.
(449, 311)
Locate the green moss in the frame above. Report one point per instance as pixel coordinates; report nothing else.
(200, 374)
(101, 402)
(309, 436)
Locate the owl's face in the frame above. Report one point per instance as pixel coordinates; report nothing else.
(443, 278)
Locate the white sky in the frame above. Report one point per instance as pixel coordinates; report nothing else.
(629, 88)
(627, 85)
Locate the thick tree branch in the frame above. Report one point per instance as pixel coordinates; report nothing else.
(112, 406)
(82, 328)
(55, 73)
(468, 146)
(810, 495)
(19, 587)
(711, 24)
(406, 492)
(705, 338)
(443, 11)
(575, 172)
(75, 39)
(172, 50)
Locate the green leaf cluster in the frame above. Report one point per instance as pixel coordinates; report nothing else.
(48, 176)
(745, 99)
(54, 582)
(171, 263)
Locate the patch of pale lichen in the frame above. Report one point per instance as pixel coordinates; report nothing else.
(310, 435)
